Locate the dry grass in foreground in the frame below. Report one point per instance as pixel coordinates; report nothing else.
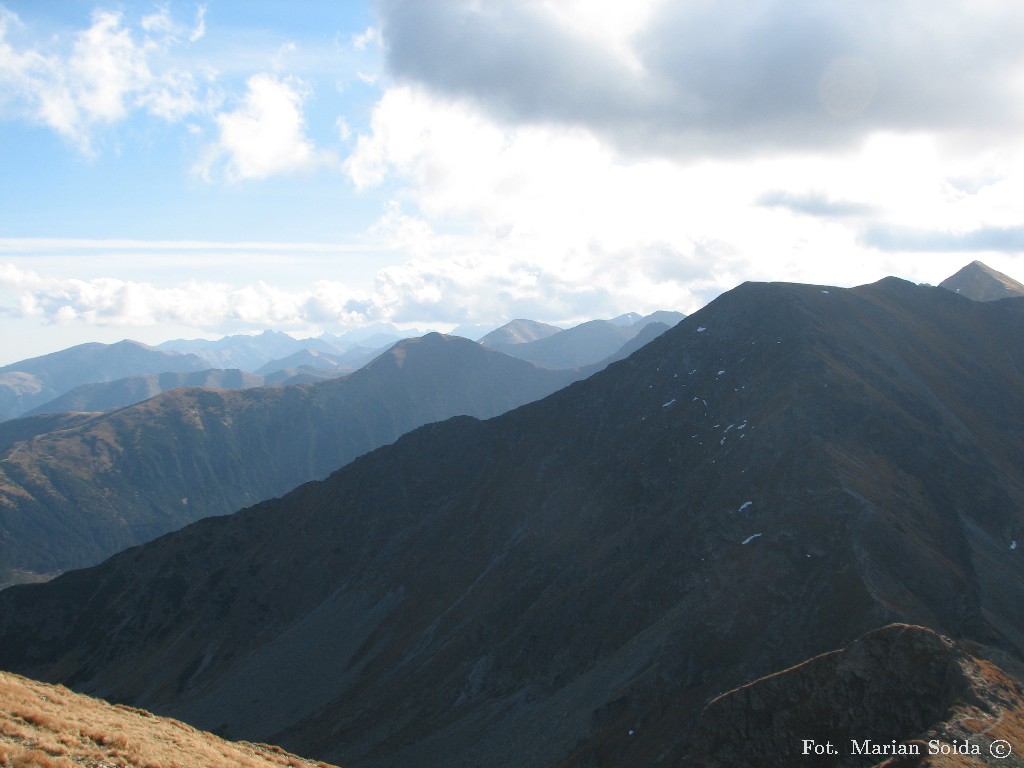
(47, 726)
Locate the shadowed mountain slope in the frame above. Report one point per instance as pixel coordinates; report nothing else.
(668, 317)
(570, 583)
(646, 334)
(982, 283)
(30, 383)
(73, 497)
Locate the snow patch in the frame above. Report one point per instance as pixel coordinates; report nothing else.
(701, 329)
(670, 402)
(1014, 544)
(750, 538)
(744, 505)
(721, 372)
(824, 291)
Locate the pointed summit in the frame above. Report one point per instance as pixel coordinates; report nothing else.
(980, 282)
(519, 332)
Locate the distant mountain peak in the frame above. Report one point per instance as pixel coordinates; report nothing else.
(980, 282)
(626, 319)
(519, 332)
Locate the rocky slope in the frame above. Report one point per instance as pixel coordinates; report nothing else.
(71, 497)
(900, 689)
(572, 582)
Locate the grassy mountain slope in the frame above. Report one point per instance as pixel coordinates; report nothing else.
(46, 726)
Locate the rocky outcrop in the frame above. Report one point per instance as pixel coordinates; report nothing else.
(902, 691)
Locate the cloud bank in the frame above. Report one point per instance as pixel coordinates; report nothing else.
(736, 77)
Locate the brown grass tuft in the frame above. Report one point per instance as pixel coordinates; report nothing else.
(45, 726)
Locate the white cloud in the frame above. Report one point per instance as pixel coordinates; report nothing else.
(266, 134)
(106, 72)
(107, 301)
(199, 30)
(635, 231)
(370, 38)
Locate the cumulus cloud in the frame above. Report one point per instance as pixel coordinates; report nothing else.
(105, 301)
(96, 79)
(265, 134)
(736, 77)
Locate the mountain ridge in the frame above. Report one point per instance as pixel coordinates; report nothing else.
(129, 474)
(30, 383)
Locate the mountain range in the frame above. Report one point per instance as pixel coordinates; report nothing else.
(643, 568)
(74, 490)
(30, 383)
(94, 377)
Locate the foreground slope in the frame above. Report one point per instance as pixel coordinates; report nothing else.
(71, 497)
(51, 727)
(570, 583)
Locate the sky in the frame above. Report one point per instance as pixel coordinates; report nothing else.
(181, 170)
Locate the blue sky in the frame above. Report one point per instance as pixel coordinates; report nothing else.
(182, 169)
